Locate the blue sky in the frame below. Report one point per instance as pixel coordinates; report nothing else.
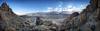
(21, 7)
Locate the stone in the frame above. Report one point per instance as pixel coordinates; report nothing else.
(38, 21)
(98, 3)
(89, 9)
(10, 29)
(83, 19)
(74, 15)
(98, 13)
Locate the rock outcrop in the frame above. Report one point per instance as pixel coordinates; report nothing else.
(10, 21)
(88, 20)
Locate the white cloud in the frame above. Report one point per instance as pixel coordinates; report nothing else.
(60, 4)
(19, 13)
(70, 9)
(49, 9)
(69, 6)
(24, 11)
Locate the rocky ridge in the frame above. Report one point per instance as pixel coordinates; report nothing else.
(10, 21)
(88, 20)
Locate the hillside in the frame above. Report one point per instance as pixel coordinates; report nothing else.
(88, 20)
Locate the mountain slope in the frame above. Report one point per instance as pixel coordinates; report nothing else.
(88, 20)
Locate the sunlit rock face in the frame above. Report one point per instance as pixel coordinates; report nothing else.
(5, 15)
(6, 12)
(8, 20)
(99, 4)
(88, 20)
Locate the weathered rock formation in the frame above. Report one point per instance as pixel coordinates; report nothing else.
(10, 21)
(88, 20)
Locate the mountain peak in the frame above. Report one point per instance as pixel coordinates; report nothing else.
(5, 11)
(4, 6)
